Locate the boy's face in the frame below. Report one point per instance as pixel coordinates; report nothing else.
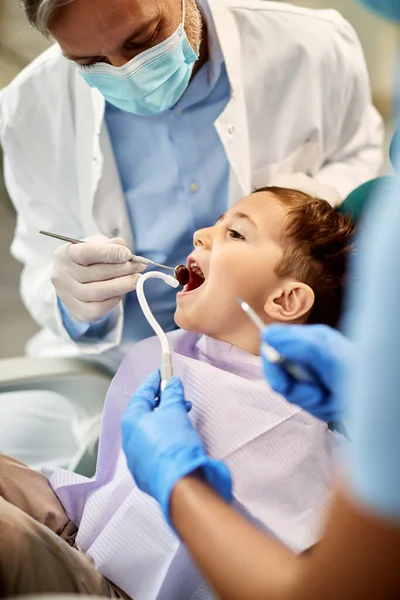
(236, 257)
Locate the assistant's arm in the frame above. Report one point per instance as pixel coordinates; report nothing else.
(360, 549)
(356, 558)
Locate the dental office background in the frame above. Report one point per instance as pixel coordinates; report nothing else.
(19, 44)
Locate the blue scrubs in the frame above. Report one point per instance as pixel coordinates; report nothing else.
(373, 392)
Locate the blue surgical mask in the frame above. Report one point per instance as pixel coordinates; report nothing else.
(151, 82)
(387, 8)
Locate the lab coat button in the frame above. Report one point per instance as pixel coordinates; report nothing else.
(194, 187)
(231, 129)
(115, 232)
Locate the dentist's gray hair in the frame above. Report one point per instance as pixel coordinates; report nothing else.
(39, 12)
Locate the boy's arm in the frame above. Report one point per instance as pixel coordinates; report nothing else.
(30, 491)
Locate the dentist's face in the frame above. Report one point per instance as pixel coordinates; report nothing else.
(234, 258)
(114, 31)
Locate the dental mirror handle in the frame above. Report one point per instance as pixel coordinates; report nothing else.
(133, 258)
(297, 371)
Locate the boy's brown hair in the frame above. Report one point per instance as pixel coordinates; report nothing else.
(318, 242)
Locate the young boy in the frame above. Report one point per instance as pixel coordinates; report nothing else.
(285, 253)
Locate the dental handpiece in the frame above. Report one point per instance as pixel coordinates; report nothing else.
(181, 272)
(298, 372)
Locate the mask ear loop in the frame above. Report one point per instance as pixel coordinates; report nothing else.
(166, 362)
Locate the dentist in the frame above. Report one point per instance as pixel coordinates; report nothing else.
(145, 121)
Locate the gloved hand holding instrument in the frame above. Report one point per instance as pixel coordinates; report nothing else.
(321, 350)
(92, 276)
(303, 362)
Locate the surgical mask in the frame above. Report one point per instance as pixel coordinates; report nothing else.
(387, 8)
(151, 82)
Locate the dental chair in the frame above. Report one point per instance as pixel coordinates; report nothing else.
(361, 198)
(69, 385)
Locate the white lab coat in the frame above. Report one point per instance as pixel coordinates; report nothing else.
(300, 102)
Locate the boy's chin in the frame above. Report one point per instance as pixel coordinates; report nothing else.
(191, 321)
(187, 322)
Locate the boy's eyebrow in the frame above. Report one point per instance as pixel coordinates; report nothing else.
(238, 215)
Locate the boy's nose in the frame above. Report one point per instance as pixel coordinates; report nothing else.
(203, 238)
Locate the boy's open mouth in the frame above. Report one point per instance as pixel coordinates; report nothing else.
(196, 276)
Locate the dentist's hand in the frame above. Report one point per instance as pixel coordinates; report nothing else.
(162, 446)
(92, 278)
(324, 351)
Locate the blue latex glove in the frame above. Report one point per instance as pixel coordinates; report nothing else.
(162, 446)
(323, 351)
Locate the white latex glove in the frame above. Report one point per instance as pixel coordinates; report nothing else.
(92, 278)
(304, 183)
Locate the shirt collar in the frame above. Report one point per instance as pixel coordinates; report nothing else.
(216, 58)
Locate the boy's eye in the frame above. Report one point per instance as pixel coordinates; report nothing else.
(235, 235)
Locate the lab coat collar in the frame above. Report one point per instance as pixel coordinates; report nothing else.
(228, 39)
(99, 107)
(232, 126)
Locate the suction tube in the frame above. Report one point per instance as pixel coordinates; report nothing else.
(166, 362)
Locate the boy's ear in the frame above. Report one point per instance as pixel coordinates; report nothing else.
(290, 302)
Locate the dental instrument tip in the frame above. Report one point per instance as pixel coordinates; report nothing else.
(182, 274)
(251, 313)
(272, 355)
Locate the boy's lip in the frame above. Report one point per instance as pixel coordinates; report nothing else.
(192, 259)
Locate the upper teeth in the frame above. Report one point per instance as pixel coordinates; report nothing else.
(195, 267)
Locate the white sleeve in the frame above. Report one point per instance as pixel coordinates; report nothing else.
(42, 201)
(353, 129)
